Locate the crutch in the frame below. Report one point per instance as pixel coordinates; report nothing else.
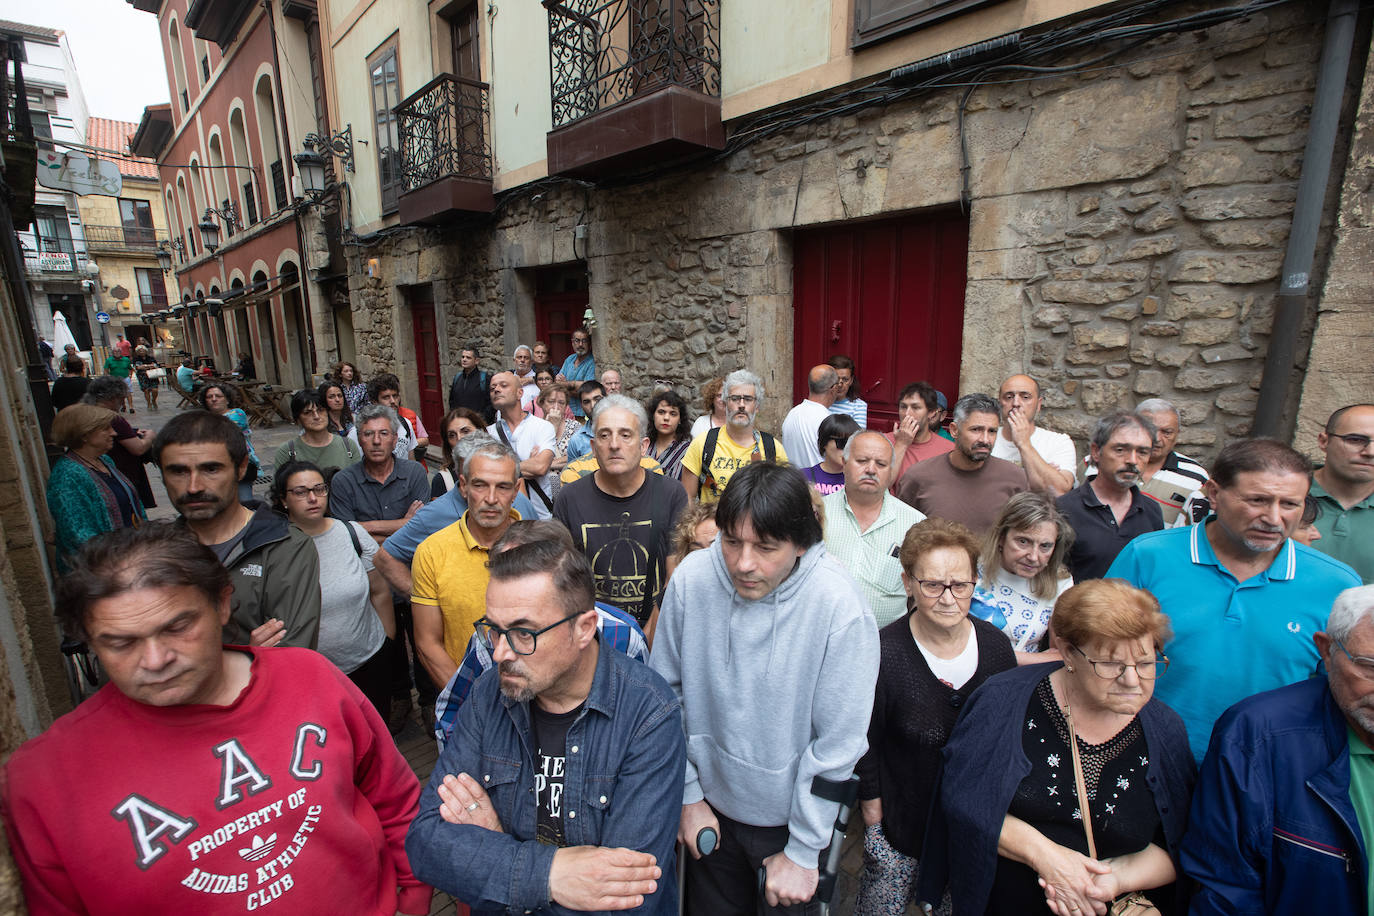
(845, 793)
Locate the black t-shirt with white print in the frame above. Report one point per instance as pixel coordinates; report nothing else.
(550, 754)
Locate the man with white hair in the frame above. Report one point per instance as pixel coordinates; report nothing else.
(1168, 478)
(713, 458)
(523, 359)
(1283, 811)
(865, 525)
(621, 516)
(610, 380)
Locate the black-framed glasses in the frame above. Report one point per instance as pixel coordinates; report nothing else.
(933, 588)
(321, 490)
(741, 399)
(1110, 670)
(1356, 441)
(522, 640)
(1363, 663)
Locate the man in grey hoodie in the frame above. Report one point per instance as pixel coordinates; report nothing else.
(773, 651)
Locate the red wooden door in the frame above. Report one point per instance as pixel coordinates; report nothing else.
(556, 316)
(890, 295)
(431, 409)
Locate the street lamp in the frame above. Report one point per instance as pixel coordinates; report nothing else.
(164, 257)
(209, 232)
(310, 165)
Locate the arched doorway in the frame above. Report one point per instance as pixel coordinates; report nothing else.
(266, 352)
(297, 327)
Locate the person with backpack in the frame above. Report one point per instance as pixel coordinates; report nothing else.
(316, 443)
(714, 456)
(356, 619)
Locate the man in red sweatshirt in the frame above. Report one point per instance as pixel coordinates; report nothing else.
(204, 778)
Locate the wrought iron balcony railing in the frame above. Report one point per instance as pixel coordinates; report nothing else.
(443, 132)
(607, 51)
(122, 237)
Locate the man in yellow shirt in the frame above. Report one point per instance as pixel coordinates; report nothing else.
(449, 572)
(732, 446)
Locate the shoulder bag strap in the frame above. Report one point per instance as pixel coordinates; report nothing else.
(708, 453)
(353, 536)
(530, 483)
(1079, 785)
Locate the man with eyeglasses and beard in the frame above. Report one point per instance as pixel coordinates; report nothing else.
(273, 565)
(562, 785)
(1283, 811)
(1242, 596)
(1108, 509)
(716, 455)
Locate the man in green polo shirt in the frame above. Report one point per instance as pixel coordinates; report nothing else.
(1283, 811)
(1344, 487)
(865, 525)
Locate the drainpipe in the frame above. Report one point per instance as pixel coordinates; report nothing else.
(1295, 281)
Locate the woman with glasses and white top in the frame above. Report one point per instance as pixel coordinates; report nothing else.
(1040, 747)
(356, 616)
(931, 660)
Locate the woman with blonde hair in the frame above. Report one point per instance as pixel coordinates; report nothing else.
(1022, 572)
(86, 494)
(1066, 785)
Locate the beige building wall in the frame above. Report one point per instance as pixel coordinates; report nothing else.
(117, 267)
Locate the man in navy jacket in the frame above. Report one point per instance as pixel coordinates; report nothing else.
(1285, 800)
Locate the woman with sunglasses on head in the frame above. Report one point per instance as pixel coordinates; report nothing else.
(316, 443)
(670, 436)
(356, 616)
(458, 423)
(931, 660)
(1066, 785)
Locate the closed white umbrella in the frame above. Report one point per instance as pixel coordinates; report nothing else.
(61, 334)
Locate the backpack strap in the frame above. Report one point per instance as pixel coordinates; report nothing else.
(353, 536)
(708, 452)
(770, 446)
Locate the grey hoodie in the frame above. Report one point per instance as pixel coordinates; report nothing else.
(773, 691)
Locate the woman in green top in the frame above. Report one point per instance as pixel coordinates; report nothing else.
(121, 367)
(86, 493)
(316, 443)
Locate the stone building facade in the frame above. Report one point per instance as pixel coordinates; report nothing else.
(1127, 223)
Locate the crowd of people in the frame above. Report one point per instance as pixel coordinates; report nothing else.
(1046, 682)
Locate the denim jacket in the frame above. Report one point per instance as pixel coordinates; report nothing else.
(626, 753)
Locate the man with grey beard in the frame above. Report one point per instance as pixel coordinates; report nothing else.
(518, 814)
(1284, 805)
(1108, 509)
(1242, 596)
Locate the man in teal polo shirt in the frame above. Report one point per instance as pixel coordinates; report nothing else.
(1344, 487)
(1244, 598)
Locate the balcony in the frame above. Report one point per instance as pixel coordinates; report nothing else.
(123, 239)
(634, 82)
(58, 260)
(445, 159)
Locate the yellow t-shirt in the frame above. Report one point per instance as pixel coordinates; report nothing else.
(727, 459)
(449, 572)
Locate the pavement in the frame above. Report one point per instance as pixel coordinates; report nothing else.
(415, 743)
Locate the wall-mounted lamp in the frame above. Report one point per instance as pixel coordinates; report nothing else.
(310, 163)
(589, 318)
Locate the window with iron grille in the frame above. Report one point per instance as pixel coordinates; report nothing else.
(152, 292)
(250, 205)
(279, 183)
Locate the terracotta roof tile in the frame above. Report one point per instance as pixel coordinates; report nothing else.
(107, 134)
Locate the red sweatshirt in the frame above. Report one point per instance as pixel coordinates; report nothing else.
(293, 799)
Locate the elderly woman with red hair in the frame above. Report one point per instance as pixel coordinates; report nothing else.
(1066, 785)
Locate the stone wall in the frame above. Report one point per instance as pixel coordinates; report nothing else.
(1340, 370)
(1127, 229)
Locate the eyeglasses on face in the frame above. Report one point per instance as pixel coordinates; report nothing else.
(933, 588)
(319, 489)
(1363, 663)
(1110, 670)
(741, 399)
(311, 409)
(521, 640)
(1356, 441)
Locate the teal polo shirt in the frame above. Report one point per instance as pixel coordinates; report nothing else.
(1347, 534)
(1362, 792)
(1230, 639)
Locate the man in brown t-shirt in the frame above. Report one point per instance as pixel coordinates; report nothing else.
(966, 485)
